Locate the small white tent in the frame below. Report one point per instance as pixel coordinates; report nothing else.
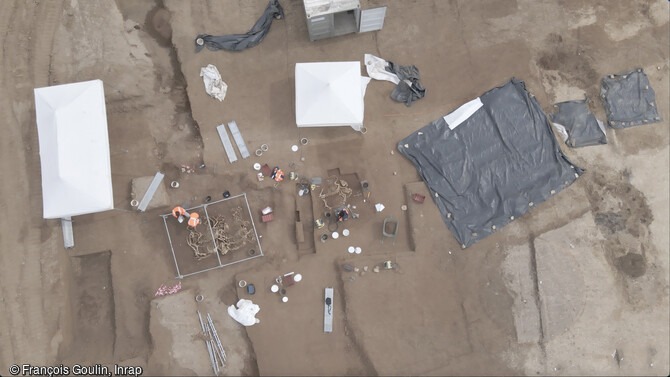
(329, 94)
(74, 149)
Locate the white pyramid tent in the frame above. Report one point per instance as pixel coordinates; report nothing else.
(74, 149)
(329, 94)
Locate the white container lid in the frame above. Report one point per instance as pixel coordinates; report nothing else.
(274, 288)
(335, 235)
(284, 299)
(345, 232)
(351, 249)
(358, 250)
(297, 278)
(257, 166)
(294, 148)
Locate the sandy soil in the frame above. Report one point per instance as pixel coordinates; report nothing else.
(556, 292)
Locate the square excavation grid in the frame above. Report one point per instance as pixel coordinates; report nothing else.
(236, 242)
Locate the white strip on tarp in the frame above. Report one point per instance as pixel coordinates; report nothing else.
(562, 130)
(460, 115)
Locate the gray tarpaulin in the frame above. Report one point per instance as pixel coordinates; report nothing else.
(408, 89)
(579, 127)
(489, 161)
(629, 100)
(239, 42)
(406, 77)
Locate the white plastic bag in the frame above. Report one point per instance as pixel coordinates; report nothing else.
(214, 86)
(245, 313)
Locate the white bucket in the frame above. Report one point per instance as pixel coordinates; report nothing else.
(134, 203)
(274, 288)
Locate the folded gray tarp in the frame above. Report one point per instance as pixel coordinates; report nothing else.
(405, 92)
(239, 42)
(579, 127)
(489, 161)
(629, 100)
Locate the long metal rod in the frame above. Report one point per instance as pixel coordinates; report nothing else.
(202, 325)
(215, 349)
(211, 231)
(216, 356)
(216, 336)
(209, 348)
(210, 345)
(179, 276)
(258, 241)
(211, 358)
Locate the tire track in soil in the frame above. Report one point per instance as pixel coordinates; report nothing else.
(350, 332)
(27, 264)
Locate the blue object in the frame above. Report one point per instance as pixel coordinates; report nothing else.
(251, 289)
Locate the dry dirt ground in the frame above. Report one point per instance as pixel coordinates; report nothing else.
(579, 285)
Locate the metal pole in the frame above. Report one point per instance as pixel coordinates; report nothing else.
(179, 276)
(211, 231)
(209, 347)
(202, 325)
(211, 358)
(258, 241)
(216, 336)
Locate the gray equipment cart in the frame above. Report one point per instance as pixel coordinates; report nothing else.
(332, 18)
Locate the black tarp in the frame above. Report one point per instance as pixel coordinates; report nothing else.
(404, 92)
(494, 166)
(629, 100)
(581, 127)
(239, 42)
